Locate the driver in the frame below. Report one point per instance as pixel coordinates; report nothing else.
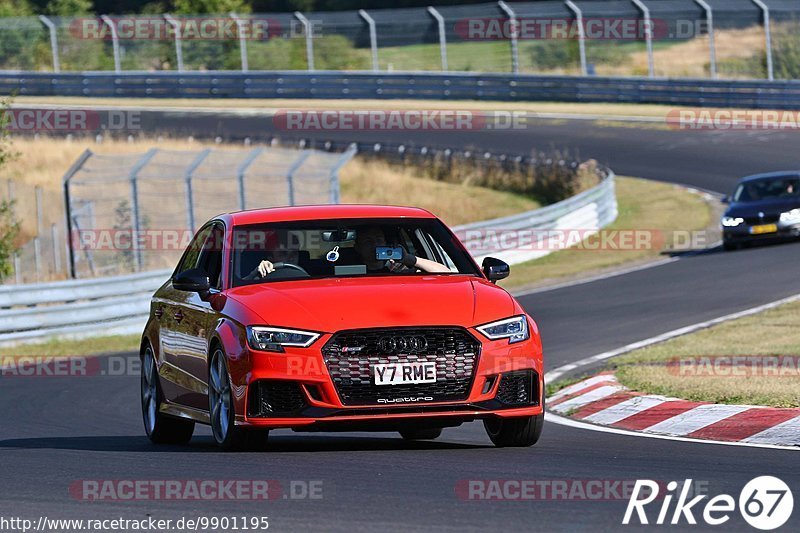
(369, 238)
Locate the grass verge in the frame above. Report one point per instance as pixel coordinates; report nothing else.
(68, 347)
(773, 332)
(643, 205)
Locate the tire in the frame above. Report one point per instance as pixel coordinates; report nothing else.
(222, 413)
(160, 428)
(421, 434)
(514, 432)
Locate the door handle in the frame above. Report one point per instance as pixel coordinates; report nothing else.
(178, 316)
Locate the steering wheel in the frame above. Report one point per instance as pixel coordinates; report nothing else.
(292, 266)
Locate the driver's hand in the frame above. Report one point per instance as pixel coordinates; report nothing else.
(264, 268)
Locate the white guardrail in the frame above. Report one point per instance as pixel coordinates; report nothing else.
(120, 304)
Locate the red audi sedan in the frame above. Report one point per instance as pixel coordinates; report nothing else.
(337, 318)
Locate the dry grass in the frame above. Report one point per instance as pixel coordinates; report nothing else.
(68, 347)
(773, 332)
(691, 58)
(642, 204)
(44, 161)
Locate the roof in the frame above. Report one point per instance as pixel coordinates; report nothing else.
(767, 175)
(324, 212)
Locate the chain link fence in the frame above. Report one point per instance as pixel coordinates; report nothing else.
(728, 38)
(120, 214)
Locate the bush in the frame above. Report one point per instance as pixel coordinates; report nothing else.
(9, 232)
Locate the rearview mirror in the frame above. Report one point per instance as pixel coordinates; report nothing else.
(495, 269)
(192, 280)
(338, 235)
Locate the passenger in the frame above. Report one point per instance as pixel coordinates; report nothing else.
(371, 237)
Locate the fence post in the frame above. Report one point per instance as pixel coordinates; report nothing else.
(309, 39)
(333, 178)
(442, 35)
(512, 22)
(768, 33)
(56, 255)
(648, 35)
(68, 211)
(373, 38)
(189, 192)
(39, 207)
(296, 164)
(240, 172)
(711, 46)
(242, 41)
(37, 257)
(136, 221)
(53, 42)
(581, 35)
(176, 27)
(11, 191)
(114, 41)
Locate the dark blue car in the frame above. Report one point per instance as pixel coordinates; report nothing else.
(764, 207)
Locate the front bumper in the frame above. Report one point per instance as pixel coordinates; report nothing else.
(315, 404)
(744, 233)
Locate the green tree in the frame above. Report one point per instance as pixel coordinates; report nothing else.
(190, 7)
(9, 225)
(68, 8)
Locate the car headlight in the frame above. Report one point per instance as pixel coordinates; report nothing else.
(274, 339)
(791, 216)
(732, 222)
(515, 329)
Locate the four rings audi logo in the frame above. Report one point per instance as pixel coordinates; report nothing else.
(402, 343)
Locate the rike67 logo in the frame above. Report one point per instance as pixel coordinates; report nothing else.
(765, 503)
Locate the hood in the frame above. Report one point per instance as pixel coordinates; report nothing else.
(334, 304)
(774, 206)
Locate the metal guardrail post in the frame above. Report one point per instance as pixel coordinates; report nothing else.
(240, 173)
(53, 42)
(68, 210)
(114, 41)
(296, 164)
(512, 21)
(648, 35)
(711, 46)
(333, 179)
(242, 41)
(136, 220)
(373, 38)
(768, 35)
(309, 39)
(188, 181)
(442, 35)
(581, 35)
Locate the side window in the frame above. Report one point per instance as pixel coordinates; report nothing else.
(192, 253)
(211, 257)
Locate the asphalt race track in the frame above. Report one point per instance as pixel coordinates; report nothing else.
(57, 431)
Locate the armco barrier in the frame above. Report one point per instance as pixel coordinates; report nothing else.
(117, 305)
(783, 94)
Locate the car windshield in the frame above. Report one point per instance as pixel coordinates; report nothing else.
(768, 189)
(338, 248)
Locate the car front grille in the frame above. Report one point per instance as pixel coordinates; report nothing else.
(274, 398)
(350, 356)
(518, 388)
(766, 219)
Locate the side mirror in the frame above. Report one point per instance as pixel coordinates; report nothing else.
(192, 280)
(726, 200)
(495, 269)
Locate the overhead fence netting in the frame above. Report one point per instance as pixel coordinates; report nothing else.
(477, 38)
(24, 44)
(408, 39)
(136, 212)
(537, 51)
(785, 38)
(615, 36)
(281, 46)
(341, 40)
(84, 43)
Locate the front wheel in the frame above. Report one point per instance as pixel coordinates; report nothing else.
(227, 435)
(160, 428)
(514, 432)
